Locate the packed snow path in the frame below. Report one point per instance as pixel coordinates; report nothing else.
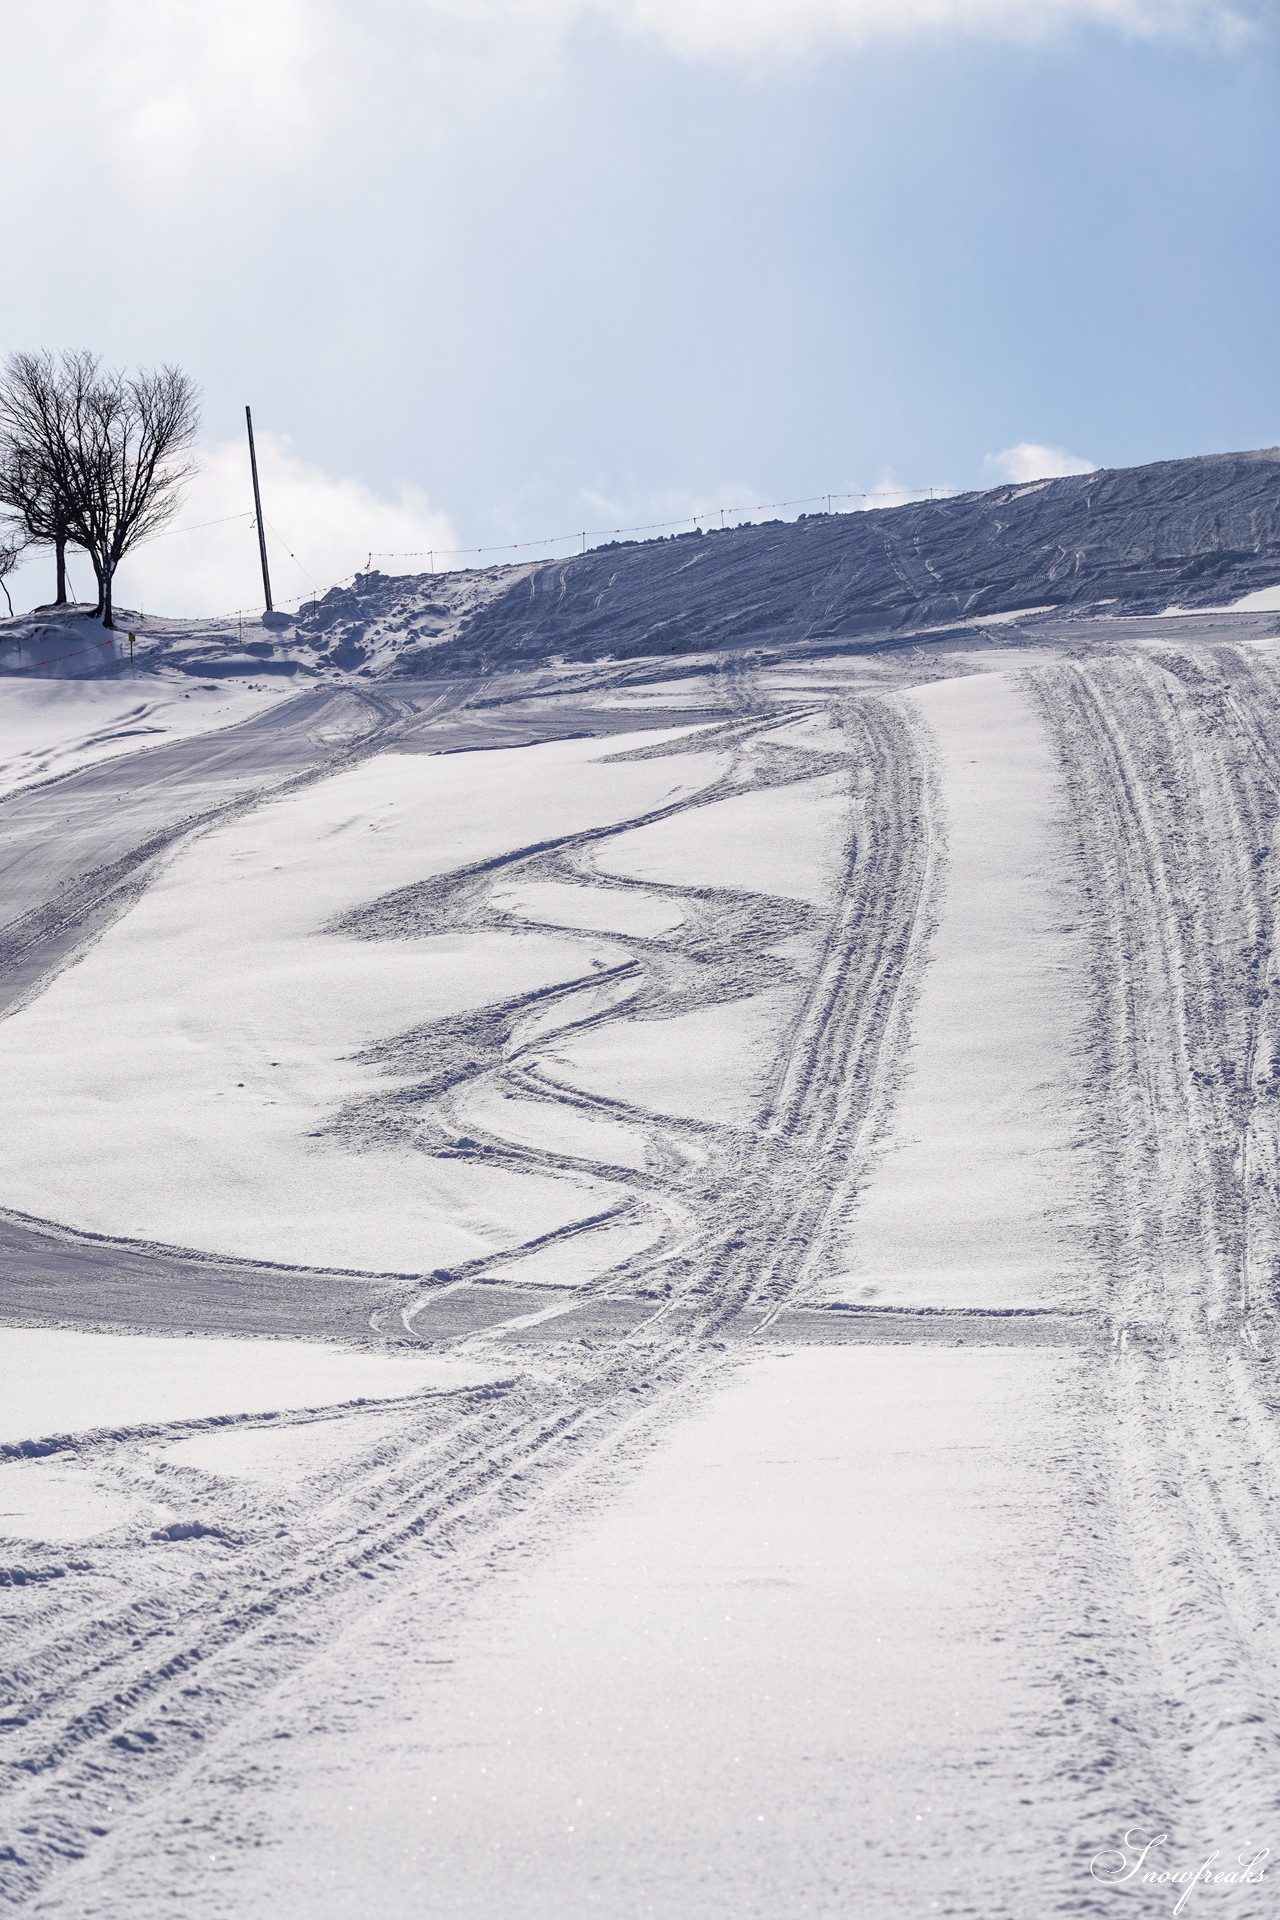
(979, 1198)
(992, 929)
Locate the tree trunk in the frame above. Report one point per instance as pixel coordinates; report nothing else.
(60, 555)
(107, 620)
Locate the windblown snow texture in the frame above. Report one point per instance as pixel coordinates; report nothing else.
(1191, 532)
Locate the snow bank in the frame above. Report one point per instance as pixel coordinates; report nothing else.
(1265, 600)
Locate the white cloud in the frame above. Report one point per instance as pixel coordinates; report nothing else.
(329, 522)
(190, 82)
(745, 26)
(1029, 461)
(205, 93)
(170, 97)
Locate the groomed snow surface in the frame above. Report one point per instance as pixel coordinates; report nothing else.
(789, 1669)
(689, 1613)
(975, 1199)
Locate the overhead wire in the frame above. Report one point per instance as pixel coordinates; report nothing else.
(515, 546)
(170, 532)
(655, 526)
(590, 533)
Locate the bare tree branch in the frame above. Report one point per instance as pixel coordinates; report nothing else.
(93, 455)
(13, 542)
(128, 435)
(37, 404)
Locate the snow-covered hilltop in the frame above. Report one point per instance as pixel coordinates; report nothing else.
(1192, 532)
(1188, 533)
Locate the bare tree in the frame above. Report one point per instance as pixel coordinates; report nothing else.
(128, 433)
(39, 396)
(94, 456)
(12, 545)
(39, 512)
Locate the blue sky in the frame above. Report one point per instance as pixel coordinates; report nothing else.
(493, 269)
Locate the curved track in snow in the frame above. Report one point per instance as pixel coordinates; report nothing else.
(131, 1661)
(124, 1676)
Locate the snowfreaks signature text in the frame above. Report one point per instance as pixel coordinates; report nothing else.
(1139, 1860)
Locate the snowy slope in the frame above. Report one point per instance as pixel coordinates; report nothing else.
(1189, 534)
(822, 1104)
(49, 727)
(1192, 533)
(195, 1064)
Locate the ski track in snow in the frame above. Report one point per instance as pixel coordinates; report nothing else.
(152, 1669)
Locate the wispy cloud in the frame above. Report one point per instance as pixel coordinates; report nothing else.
(744, 26)
(1030, 461)
(165, 97)
(205, 94)
(320, 527)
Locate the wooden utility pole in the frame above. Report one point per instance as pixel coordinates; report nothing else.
(257, 508)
